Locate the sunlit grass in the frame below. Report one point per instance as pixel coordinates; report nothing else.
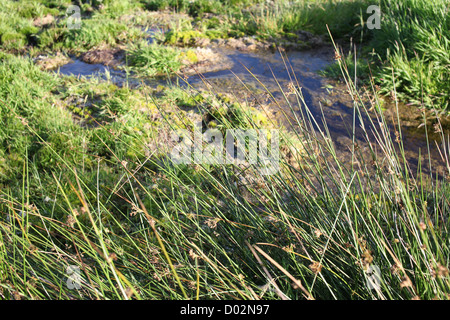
(86, 180)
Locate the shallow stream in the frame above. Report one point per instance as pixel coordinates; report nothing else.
(268, 71)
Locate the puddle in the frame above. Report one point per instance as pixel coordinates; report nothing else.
(79, 68)
(119, 77)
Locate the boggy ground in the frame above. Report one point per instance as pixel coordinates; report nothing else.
(220, 70)
(222, 61)
(87, 181)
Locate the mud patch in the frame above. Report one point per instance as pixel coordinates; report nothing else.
(300, 40)
(43, 21)
(107, 57)
(208, 61)
(245, 44)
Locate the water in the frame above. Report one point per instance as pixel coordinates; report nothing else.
(79, 68)
(275, 72)
(326, 99)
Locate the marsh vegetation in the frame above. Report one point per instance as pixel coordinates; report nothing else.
(87, 181)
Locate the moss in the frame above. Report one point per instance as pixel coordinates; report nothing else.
(216, 34)
(13, 40)
(290, 36)
(52, 11)
(64, 145)
(29, 30)
(84, 113)
(224, 98)
(236, 34)
(184, 37)
(259, 118)
(212, 23)
(190, 56)
(212, 124)
(10, 165)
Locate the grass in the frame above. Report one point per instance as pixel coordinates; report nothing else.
(412, 44)
(410, 52)
(138, 226)
(419, 50)
(149, 60)
(86, 178)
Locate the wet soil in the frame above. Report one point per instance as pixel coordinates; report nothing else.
(107, 57)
